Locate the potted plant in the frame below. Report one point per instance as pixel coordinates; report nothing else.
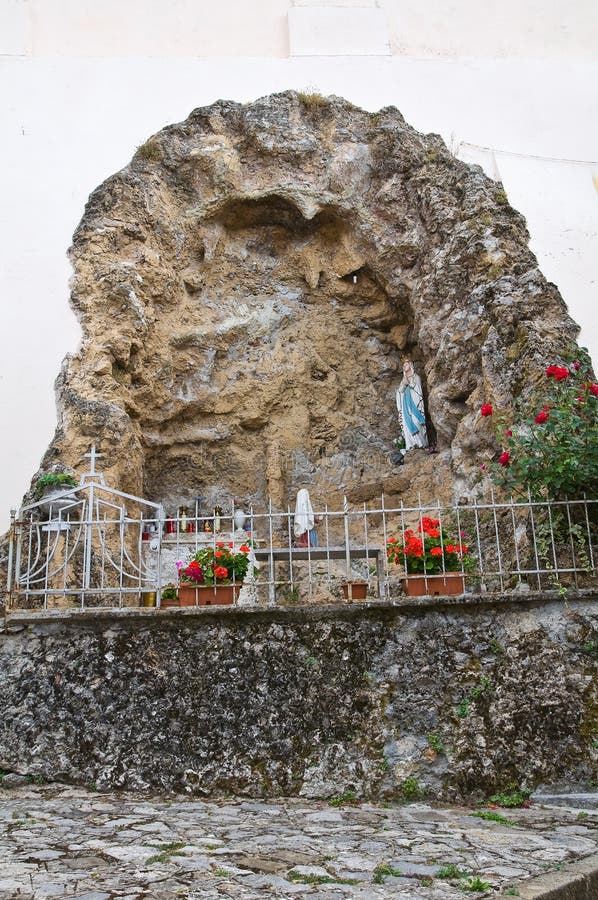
(55, 489)
(214, 575)
(434, 563)
(169, 596)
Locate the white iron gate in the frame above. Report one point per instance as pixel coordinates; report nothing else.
(84, 546)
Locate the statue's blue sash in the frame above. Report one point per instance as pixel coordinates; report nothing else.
(412, 416)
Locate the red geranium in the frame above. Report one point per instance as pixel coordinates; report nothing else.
(505, 458)
(541, 417)
(455, 548)
(429, 552)
(486, 410)
(211, 566)
(427, 525)
(193, 572)
(413, 545)
(594, 389)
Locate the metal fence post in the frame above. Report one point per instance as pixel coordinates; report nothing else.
(11, 542)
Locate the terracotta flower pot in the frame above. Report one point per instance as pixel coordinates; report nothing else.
(451, 583)
(201, 595)
(358, 591)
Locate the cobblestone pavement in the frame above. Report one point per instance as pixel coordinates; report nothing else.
(63, 842)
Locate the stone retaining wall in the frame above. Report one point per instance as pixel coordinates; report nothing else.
(457, 699)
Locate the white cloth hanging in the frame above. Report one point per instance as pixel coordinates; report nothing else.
(304, 514)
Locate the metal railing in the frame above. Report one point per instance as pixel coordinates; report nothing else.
(104, 548)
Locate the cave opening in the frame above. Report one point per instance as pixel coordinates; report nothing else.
(288, 355)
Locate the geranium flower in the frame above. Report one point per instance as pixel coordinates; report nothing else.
(425, 553)
(413, 546)
(194, 572)
(218, 554)
(486, 410)
(220, 572)
(541, 417)
(505, 458)
(594, 389)
(427, 525)
(509, 432)
(244, 548)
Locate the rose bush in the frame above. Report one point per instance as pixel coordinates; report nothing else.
(550, 446)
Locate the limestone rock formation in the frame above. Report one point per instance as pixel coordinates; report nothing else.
(248, 285)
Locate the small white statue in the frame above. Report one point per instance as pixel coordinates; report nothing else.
(410, 404)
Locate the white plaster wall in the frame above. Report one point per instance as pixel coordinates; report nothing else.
(534, 29)
(68, 122)
(141, 28)
(338, 31)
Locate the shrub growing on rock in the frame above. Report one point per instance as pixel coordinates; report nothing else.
(550, 445)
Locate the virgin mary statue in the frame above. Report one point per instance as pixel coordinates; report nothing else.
(410, 403)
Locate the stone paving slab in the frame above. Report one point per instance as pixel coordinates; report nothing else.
(64, 842)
